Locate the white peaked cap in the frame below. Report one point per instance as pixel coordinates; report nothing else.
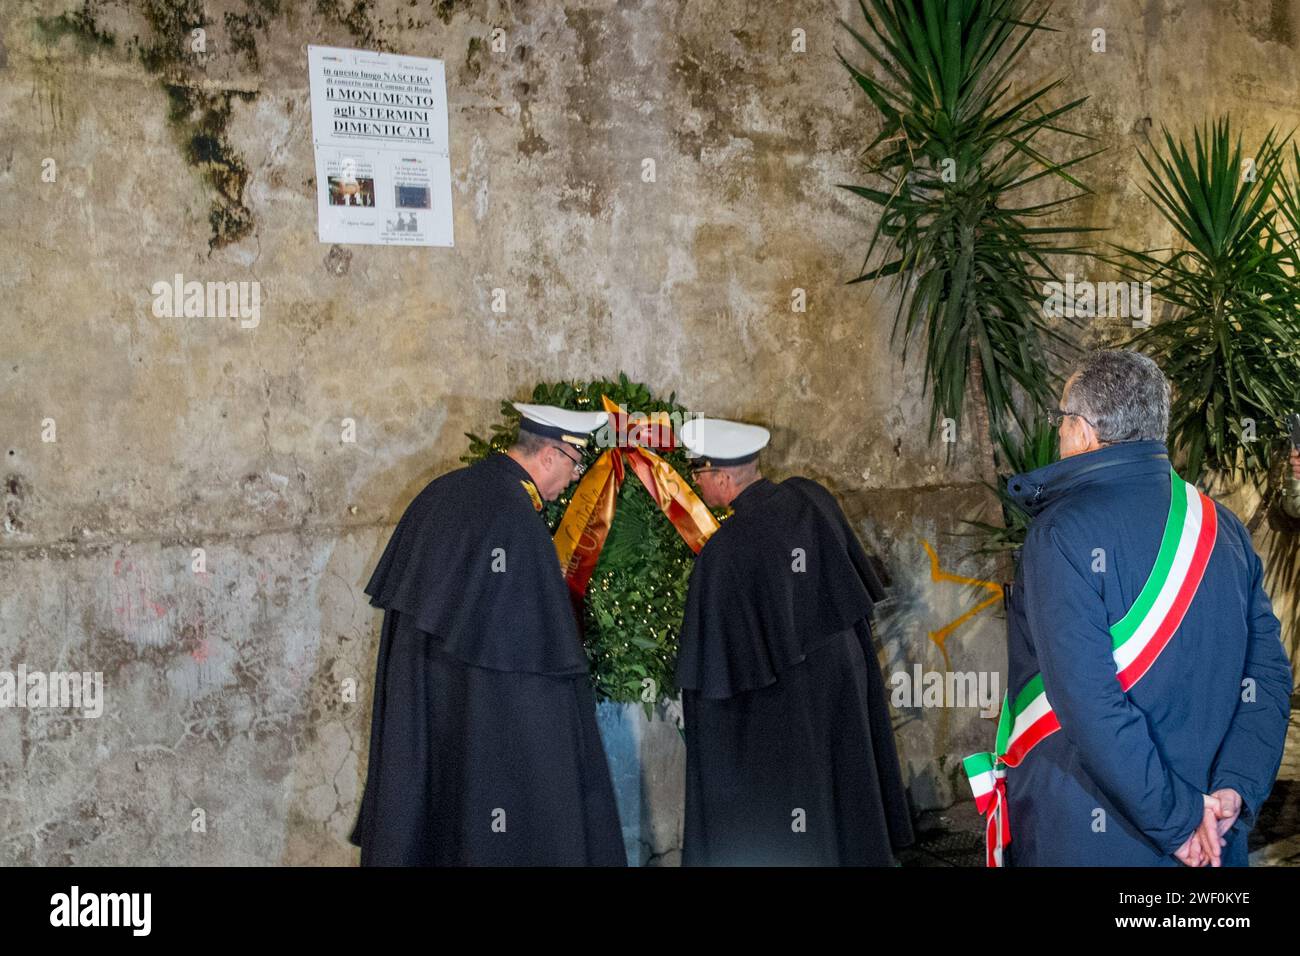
(722, 442)
(561, 423)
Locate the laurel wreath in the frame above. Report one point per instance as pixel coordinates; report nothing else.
(632, 611)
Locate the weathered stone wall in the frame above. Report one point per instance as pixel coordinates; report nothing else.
(223, 688)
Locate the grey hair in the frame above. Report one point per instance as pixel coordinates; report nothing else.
(745, 472)
(1124, 394)
(532, 444)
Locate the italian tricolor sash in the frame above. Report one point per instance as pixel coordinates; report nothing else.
(1136, 641)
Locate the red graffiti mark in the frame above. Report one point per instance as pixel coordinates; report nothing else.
(133, 599)
(200, 653)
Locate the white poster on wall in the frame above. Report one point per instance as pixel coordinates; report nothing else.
(379, 125)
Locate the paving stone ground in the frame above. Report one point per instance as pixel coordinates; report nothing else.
(1275, 841)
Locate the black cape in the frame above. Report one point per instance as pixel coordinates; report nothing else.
(790, 756)
(484, 747)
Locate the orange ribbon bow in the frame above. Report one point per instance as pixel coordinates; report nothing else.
(586, 522)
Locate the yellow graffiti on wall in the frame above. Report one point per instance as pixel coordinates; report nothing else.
(940, 637)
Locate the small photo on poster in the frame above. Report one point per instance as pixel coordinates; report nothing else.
(351, 192)
(412, 183)
(401, 223)
(412, 197)
(351, 183)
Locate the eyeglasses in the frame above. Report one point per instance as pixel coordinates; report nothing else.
(578, 466)
(1057, 415)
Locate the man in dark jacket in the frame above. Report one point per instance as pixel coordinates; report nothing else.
(790, 756)
(483, 745)
(1148, 692)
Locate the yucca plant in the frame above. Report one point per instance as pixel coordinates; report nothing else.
(1289, 209)
(964, 239)
(1230, 342)
(1288, 202)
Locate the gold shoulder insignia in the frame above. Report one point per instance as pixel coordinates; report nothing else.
(532, 493)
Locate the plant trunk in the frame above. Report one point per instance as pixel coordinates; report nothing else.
(983, 447)
(983, 443)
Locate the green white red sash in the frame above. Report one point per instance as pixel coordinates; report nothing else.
(1136, 641)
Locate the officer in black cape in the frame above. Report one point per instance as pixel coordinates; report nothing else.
(790, 756)
(484, 748)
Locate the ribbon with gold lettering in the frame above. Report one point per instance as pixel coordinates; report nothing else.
(586, 522)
